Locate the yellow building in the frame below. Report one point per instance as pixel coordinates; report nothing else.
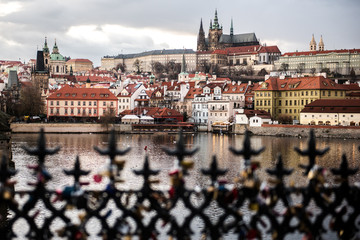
(79, 65)
(287, 97)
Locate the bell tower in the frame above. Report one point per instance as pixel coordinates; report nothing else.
(312, 44)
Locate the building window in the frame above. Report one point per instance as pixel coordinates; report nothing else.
(94, 103)
(279, 110)
(104, 104)
(51, 103)
(84, 103)
(72, 103)
(79, 103)
(111, 103)
(72, 111)
(90, 103)
(84, 112)
(57, 103)
(90, 111)
(104, 111)
(286, 102)
(94, 111)
(66, 111)
(51, 111)
(57, 111)
(279, 102)
(65, 103)
(78, 110)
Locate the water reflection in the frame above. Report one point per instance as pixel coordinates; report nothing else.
(209, 144)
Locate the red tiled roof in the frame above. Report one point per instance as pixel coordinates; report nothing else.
(333, 106)
(95, 79)
(232, 89)
(303, 83)
(192, 92)
(260, 113)
(73, 93)
(219, 51)
(306, 53)
(269, 49)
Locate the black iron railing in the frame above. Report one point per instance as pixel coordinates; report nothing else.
(249, 209)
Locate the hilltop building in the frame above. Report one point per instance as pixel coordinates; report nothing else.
(318, 59)
(145, 59)
(218, 40)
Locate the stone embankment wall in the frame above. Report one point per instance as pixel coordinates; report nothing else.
(300, 131)
(68, 128)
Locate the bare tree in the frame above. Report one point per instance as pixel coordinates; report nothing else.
(301, 68)
(284, 67)
(108, 118)
(312, 71)
(30, 101)
(262, 72)
(137, 65)
(121, 67)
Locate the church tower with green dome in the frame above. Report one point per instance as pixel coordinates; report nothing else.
(57, 61)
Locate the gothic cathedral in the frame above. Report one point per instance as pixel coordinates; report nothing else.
(217, 40)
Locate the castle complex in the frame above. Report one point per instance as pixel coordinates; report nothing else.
(217, 40)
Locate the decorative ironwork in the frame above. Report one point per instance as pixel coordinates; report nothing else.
(250, 208)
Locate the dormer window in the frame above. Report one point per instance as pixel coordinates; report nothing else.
(93, 95)
(67, 94)
(84, 94)
(58, 95)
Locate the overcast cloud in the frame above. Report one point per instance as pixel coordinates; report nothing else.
(95, 28)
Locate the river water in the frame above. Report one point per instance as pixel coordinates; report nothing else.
(81, 145)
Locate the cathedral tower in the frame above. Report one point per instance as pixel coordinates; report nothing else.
(201, 45)
(215, 33)
(313, 44)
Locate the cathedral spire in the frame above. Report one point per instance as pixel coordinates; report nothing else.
(313, 44)
(45, 48)
(321, 44)
(216, 22)
(55, 48)
(201, 46)
(183, 64)
(231, 28)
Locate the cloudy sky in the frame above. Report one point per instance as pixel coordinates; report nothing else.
(95, 28)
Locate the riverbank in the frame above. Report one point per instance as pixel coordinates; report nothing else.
(301, 131)
(266, 130)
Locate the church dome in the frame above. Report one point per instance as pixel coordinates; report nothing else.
(57, 57)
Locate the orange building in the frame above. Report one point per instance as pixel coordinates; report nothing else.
(77, 103)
